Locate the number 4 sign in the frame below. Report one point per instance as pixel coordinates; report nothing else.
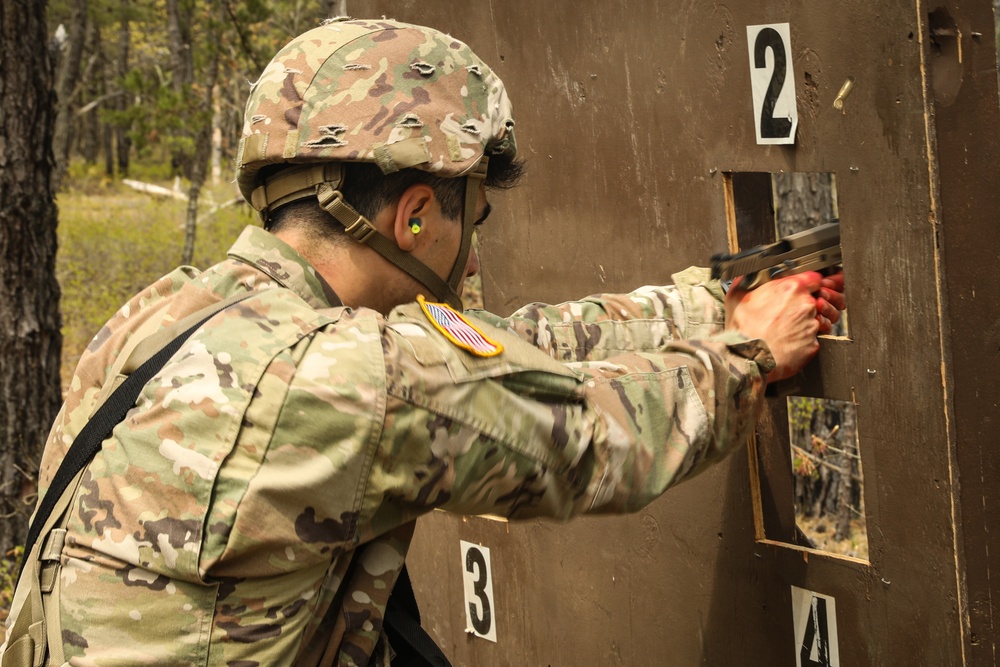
(815, 619)
(772, 83)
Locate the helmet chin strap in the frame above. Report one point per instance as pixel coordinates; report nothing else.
(473, 181)
(324, 181)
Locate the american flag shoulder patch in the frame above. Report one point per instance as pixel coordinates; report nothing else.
(459, 330)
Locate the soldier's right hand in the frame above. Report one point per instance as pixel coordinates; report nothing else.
(783, 314)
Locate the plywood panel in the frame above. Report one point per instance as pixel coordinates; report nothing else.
(629, 115)
(968, 149)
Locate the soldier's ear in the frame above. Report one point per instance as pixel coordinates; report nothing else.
(416, 203)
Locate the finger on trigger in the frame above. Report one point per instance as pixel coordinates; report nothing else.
(811, 281)
(834, 282)
(837, 299)
(827, 310)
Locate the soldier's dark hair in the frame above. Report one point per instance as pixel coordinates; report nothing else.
(368, 190)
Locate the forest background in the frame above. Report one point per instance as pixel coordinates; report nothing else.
(146, 102)
(145, 105)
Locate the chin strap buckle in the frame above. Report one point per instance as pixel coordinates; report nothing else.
(355, 224)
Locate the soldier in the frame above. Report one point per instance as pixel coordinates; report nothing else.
(256, 504)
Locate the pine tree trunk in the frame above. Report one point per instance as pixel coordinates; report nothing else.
(200, 160)
(108, 144)
(333, 8)
(123, 144)
(179, 38)
(66, 83)
(216, 137)
(849, 440)
(30, 340)
(803, 201)
(843, 505)
(90, 127)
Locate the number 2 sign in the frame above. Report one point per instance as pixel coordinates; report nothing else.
(772, 83)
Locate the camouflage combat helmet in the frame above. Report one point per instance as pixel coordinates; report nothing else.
(394, 94)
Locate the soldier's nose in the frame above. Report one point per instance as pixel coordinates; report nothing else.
(473, 267)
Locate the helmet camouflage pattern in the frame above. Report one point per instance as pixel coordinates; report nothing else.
(391, 93)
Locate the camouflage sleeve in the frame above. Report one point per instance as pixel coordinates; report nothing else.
(608, 324)
(523, 435)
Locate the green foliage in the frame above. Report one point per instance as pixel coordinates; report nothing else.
(161, 116)
(9, 566)
(246, 19)
(154, 170)
(800, 416)
(85, 176)
(90, 178)
(162, 113)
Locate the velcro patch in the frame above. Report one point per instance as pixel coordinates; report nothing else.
(459, 330)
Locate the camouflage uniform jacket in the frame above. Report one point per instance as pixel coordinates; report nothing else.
(255, 507)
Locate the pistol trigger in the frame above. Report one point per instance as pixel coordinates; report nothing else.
(754, 280)
(786, 268)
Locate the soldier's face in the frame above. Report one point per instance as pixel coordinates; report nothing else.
(441, 246)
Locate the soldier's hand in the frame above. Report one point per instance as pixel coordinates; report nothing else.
(784, 314)
(830, 301)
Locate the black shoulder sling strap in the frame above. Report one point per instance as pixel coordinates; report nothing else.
(412, 644)
(402, 619)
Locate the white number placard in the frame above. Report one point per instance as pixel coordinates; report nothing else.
(815, 618)
(480, 619)
(772, 83)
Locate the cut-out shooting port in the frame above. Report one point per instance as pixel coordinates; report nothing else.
(828, 483)
(763, 207)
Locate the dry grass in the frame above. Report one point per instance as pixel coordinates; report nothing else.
(113, 241)
(821, 531)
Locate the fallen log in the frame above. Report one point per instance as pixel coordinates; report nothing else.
(155, 190)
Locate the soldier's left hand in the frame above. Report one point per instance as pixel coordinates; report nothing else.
(830, 301)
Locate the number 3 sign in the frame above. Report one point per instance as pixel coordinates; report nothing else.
(479, 608)
(772, 83)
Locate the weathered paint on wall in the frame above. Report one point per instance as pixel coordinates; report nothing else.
(630, 114)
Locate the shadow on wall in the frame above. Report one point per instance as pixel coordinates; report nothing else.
(996, 21)
(749, 620)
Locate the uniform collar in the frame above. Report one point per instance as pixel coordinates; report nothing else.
(266, 252)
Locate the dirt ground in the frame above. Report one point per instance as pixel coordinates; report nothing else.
(822, 530)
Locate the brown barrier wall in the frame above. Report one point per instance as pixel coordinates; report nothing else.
(631, 116)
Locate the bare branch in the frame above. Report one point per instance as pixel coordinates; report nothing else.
(89, 106)
(244, 40)
(818, 461)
